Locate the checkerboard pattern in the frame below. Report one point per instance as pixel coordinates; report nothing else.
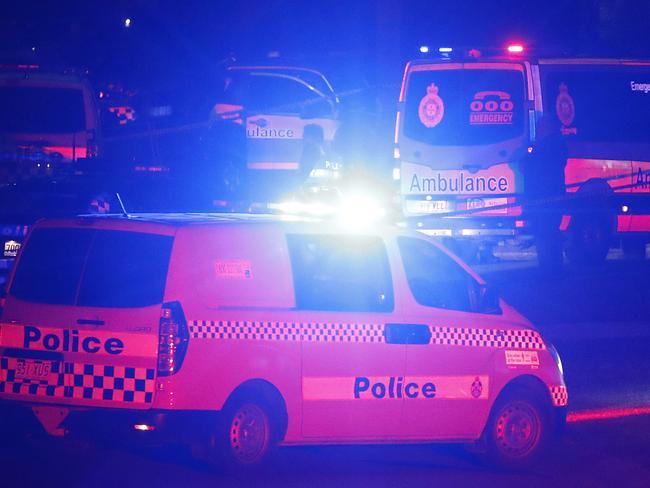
(360, 333)
(463, 336)
(559, 396)
(287, 331)
(113, 383)
(83, 381)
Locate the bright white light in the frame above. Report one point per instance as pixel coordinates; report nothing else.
(424, 49)
(360, 210)
(294, 207)
(445, 50)
(515, 48)
(144, 427)
(397, 174)
(127, 22)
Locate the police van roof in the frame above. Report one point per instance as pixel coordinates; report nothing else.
(193, 218)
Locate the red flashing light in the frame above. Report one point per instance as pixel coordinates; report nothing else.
(474, 53)
(515, 49)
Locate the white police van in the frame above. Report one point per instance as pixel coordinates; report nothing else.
(243, 332)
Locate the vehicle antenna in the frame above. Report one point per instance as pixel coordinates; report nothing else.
(119, 199)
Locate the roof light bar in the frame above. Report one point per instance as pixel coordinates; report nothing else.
(445, 50)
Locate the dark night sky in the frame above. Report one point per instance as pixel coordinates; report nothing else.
(166, 37)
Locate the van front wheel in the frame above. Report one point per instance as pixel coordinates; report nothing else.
(518, 431)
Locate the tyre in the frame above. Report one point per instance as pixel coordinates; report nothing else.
(244, 436)
(589, 240)
(518, 430)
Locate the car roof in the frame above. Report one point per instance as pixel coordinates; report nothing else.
(175, 220)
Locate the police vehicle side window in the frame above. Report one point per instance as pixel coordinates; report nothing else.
(50, 266)
(341, 273)
(434, 278)
(125, 269)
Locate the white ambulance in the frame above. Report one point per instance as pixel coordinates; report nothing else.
(243, 332)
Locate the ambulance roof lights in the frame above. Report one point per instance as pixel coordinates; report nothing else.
(424, 49)
(445, 50)
(474, 53)
(515, 49)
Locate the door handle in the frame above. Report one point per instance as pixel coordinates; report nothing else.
(407, 334)
(90, 322)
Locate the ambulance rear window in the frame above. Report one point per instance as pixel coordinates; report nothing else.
(93, 268)
(341, 273)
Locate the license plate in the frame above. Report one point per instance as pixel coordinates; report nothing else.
(428, 206)
(33, 369)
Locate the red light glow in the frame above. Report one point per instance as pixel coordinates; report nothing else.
(606, 414)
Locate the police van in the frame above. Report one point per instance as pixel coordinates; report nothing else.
(242, 332)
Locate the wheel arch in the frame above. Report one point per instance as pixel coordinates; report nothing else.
(269, 395)
(527, 382)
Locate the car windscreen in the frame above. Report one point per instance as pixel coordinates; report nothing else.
(464, 106)
(41, 110)
(93, 268)
(599, 103)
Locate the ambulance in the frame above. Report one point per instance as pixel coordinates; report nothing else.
(237, 333)
(466, 121)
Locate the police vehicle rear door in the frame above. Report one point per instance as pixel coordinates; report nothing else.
(82, 314)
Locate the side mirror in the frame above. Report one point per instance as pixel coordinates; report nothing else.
(488, 300)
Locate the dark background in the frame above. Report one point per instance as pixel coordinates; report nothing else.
(365, 40)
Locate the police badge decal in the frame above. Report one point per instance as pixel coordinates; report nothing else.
(432, 108)
(477, 387)
(565, 109)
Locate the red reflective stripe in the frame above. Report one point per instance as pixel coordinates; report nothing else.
(607, 413)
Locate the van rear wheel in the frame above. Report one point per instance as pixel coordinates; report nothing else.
(244, 436)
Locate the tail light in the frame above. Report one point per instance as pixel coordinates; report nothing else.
(173, 337)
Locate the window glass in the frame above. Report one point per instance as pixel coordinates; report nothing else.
(343, 273)
(125, 269)
(280, 95)
(40, 110)
(599, 104)
(464, 107)
(50, 266)
(434, 278)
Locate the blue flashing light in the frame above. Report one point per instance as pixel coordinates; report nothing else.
(424, 49)
(445, 50)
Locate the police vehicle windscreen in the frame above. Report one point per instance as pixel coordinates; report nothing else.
(93, 268)
(41, 110)
(464, 107)
(599, 104)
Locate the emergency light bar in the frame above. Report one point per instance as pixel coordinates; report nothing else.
(515, 49)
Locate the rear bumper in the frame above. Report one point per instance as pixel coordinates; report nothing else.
(474, 228)
(148, 426)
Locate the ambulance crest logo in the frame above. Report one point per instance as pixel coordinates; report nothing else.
(432, 108)
(477, 387)
(564, 106)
